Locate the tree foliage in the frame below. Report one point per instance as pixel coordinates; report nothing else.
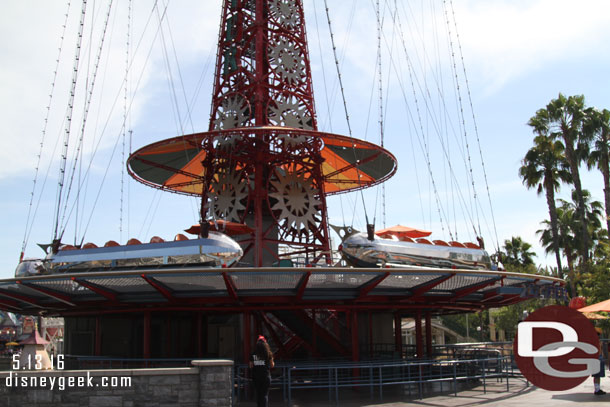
(598, 134)
(518, 255)
(565, 119)
(567, 136)
(544, 168)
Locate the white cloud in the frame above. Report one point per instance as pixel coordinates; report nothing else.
(29, 59)
(504, 40)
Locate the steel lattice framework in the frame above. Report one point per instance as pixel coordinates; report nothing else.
(263, 78)
(263, 161)
(263, 74)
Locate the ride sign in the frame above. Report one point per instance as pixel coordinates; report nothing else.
(556, 348)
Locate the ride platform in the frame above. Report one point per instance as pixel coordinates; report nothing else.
(250, 289)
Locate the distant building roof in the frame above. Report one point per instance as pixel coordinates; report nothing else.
(6, 320)
(34, 339)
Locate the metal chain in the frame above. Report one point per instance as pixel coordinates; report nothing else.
(463, 121)
(125, 111)
(64, 156)
(349, 127)
(476, 129)
(89, 97)
(381, 124)
(28, 226)
(425, 148)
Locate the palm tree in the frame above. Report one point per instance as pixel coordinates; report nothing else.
(593, 211)
(543, 167)
(567, 241)
(517, 252)
(563, 119)
(598, 128)
(569, 227)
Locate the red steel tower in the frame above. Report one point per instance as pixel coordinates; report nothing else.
(263, 161)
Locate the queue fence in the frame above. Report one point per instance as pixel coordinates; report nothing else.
(375, 376)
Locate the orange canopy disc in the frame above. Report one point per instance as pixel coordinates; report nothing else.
(402, 231)
(176, 164)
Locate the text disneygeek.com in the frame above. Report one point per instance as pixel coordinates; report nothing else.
(17, 380)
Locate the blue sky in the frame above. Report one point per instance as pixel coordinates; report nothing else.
(518, 55)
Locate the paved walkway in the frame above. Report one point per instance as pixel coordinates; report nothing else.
(520, 395)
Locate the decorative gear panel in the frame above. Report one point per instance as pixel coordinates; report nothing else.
(285, 12)
(290, 112)
(233, 112)
(295, 143)
(296, 201)
(282, 44)
(287, 60)
(228, 194)
(226, 142)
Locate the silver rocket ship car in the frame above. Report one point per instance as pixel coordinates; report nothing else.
(368, 250)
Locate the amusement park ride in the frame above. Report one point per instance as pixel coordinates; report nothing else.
(263, 172)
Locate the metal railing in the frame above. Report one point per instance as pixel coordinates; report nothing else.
(409, 351)
(412, 375)
(451, 364)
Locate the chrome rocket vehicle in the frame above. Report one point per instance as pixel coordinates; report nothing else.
(217, 250)
(359, 250)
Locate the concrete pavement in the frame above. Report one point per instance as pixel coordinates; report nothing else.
(520, 395)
